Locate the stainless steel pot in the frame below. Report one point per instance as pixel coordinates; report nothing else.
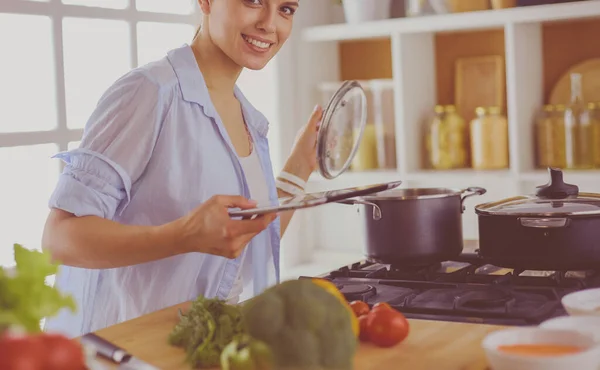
(414, 227)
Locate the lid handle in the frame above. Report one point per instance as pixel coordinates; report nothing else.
(556, 188)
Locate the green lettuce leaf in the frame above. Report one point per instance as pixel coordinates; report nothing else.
(25, 298)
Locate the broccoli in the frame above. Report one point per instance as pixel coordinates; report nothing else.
(305, 326)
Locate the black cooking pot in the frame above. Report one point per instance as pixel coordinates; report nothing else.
(414, 227)
(558, 228)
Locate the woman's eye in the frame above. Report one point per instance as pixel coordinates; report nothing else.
(288, 10)
(254, 2)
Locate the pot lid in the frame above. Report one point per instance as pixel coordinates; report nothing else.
(553, 199)
(342, 126)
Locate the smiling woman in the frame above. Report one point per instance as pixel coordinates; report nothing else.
(201, 146)
(249, 32)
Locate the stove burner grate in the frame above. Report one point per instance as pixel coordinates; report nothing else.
(356, 292)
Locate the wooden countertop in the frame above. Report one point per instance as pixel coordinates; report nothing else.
(430, 344)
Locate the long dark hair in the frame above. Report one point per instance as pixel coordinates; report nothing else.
(197, 32)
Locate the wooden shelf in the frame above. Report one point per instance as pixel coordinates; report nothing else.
(487, 19)
(538, 44)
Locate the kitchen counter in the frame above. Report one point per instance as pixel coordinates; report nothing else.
(430, 344)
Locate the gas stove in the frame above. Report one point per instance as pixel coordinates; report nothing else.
(463, 290)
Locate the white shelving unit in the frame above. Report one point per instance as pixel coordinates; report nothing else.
(470, 21)
(336, 229)
(413, 62)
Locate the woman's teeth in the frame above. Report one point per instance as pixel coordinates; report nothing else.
(259, 44)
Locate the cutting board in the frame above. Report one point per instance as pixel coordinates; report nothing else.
(430, 344)
(479, 82)
(590, 81)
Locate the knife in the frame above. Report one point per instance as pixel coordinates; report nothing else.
(114, 353)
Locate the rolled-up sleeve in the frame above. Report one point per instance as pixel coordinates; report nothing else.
(116, 147)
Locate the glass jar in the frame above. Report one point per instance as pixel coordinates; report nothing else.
(578, 129)
(366, 155)
(489, 139)
(550, 137)
(446, 139)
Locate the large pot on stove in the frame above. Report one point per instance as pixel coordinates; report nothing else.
(557, 228)
(414, 227)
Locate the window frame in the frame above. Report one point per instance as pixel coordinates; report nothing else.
(57, 11)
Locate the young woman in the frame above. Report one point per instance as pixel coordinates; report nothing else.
(139, 216)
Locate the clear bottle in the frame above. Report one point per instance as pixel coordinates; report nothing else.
(446, 139)
(578, 129)
(489, 139)
(550, 137)
(594, 110)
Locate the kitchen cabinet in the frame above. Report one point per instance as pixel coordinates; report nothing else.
(537, 45)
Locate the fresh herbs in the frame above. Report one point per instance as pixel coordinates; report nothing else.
(206, 329)
(25, 298)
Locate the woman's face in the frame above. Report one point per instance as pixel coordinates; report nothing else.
(249, 32)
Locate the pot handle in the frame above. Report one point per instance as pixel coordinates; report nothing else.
(376, 209)
(472, 191)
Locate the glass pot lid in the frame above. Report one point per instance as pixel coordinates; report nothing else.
(553, 199)
(342, 126)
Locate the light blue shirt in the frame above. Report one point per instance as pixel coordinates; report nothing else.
(153, 150)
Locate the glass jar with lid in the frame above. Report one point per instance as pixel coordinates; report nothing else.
(446, 138)
(489, 139)
(550, 137)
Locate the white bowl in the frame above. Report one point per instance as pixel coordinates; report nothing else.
(588, 359)
(584, 324)
(583, 302)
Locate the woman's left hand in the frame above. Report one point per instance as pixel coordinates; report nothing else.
(303, 159)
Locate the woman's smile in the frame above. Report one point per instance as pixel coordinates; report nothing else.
(258, 44)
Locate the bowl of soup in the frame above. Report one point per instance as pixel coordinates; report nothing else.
(584, 302)
(535, 348)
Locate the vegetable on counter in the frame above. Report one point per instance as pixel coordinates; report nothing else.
(331, 288)
(206, 329)
(246, 353)
(382, 325)
(25, 298)
(42, 351)
(305, 325)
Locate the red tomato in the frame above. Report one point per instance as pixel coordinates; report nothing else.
(21, 353)
(386, 328)
(364, 333)
(63, 353)
(359, 307)
(381, 305)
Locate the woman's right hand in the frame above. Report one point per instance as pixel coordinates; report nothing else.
(210, 229)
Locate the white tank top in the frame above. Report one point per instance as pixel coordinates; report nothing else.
(258, 192)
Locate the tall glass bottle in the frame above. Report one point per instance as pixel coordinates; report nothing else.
(594, 109)
(578, 129)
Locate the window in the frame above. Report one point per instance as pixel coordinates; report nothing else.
(60, 56)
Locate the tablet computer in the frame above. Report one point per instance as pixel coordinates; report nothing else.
(312, 200)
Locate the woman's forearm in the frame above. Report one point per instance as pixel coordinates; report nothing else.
(285, 217)
(97, 243)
